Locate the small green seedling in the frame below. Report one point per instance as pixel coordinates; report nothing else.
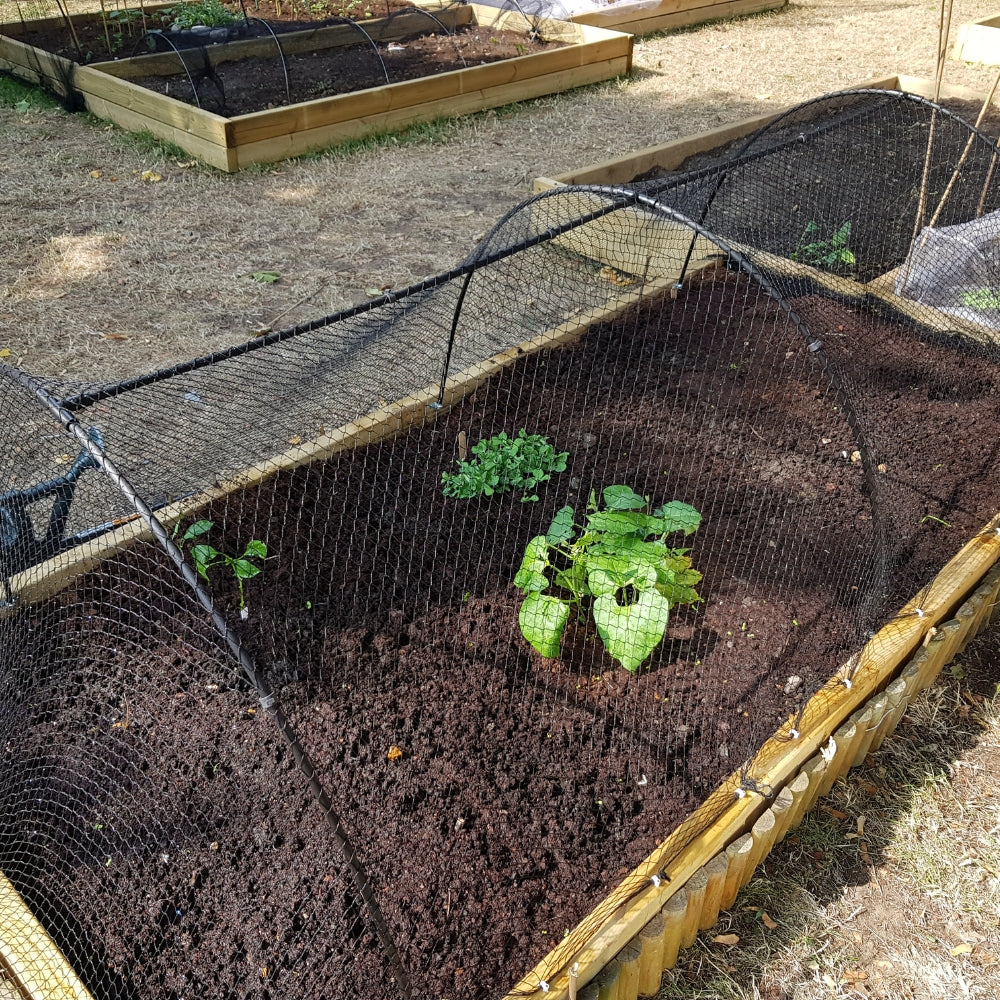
(206, 556)
(619, 563)
(502, 464)
(832, 253)
(981, 298)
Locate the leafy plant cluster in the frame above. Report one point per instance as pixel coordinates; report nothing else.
(981, 298)
(502, 464)
(210, 13)
(830, 253)
(617, 561)
(205, 557)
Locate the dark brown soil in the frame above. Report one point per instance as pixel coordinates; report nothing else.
(255, 84)
(125, 33)
(524, 788)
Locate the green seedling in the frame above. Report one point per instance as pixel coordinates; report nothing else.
(618, 563)
(210, 13)
(503, 464)
(981, 298)
(205, 557)
(832, 253)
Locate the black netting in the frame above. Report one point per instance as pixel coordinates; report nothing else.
(331, 764)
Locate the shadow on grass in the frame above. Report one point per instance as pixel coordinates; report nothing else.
(794, 920)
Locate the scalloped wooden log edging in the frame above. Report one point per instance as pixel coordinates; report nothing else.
(898, 663)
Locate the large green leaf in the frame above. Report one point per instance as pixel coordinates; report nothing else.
(622, 498)
(542, 619)
(678, 516)
(623, 522)
(531, 576)
(631, 632)
(561, 529)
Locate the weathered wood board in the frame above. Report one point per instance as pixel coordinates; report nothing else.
(979, 41)
(641, 18)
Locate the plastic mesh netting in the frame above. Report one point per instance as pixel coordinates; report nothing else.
(270, 726)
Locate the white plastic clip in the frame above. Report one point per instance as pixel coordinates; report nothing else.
(920, 612)
(794, 734)
(656, 880)
(848, 683)
(740, 793)
(543, 986)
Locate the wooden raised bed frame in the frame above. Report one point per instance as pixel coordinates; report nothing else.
(631, 936)
(979, 41)
(641, 18)
(590, 55)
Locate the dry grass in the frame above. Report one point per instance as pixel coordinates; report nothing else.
(101, 272)
(908, 911)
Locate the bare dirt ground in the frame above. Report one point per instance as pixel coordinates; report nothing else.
(103, 272)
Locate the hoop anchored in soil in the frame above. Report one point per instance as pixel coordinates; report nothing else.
(494, 795)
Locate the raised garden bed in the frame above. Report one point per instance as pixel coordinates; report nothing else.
(671, 156)
(640, 17)
(979, 41)
(395, 650)
(582, 54)
(445, 634)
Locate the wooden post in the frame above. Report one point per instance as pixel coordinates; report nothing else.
(628, 975)
(738, 855)
(716, 870)
(696, 886)
(589, 992)
(607, 981)
(876, 711)
(673, 917)
(813, 770)
(894, 702)
(782, 809)
(762, 832)
(838, 763)
(651, 960)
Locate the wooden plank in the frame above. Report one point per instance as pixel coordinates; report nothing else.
(670, 155)
(480, 83)
(214, 154)
(281, 147)
(138, 101)
(635, 241)
(979, 41)
(29, 955)
(673, 14)
(625, 911)
(37, 66)
(48, 578)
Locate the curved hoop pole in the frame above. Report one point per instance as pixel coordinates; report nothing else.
(177, 51)
(371, 41)
(444, 27)
(268, 701)
(770, 126)
(507, 4)
(281, 54)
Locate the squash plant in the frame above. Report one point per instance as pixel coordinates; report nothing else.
(618, 563)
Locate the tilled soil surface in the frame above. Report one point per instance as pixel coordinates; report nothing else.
(255, 84)
(492, 796)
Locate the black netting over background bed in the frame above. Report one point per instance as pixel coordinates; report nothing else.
(336, 767)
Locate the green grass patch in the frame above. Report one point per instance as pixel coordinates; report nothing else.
(23, 97)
